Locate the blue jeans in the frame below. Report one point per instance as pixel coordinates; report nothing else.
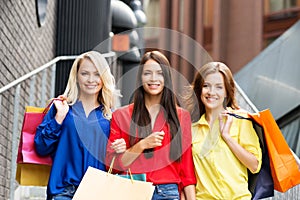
(67, 194)
(166, 192)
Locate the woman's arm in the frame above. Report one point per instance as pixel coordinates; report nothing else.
(152, 141)
(48, 132)
(118, 133)
(245, 157)
(189, 192)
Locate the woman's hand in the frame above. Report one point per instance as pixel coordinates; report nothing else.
(62, 108)
(119, 145)
(153, 140)
(245, 157)
(225, 121)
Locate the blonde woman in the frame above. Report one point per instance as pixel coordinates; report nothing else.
(75, 131)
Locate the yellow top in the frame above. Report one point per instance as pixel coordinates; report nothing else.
(220, 175)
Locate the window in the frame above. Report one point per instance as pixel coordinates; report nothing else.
(41, 9)
(279, 16)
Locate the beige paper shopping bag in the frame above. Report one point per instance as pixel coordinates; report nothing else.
(97, 184)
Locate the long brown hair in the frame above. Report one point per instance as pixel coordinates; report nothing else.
(195, 105)
(140, 126)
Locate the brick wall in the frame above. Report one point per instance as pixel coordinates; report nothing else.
(24, 46)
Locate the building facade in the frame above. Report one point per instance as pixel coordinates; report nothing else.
(26, 42)
(231, 31)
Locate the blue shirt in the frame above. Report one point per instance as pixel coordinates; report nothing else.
(74, 145)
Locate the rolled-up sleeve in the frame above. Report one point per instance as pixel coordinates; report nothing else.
(250, 141)
(47, 134)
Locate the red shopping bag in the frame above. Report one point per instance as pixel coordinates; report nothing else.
(32, 169)
(284, 168)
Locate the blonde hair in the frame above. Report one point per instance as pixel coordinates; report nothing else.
(108, 93)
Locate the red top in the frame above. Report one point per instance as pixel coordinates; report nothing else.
(159, 169)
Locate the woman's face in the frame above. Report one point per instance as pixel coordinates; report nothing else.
(213, 91)
(88, 77)
(152, 78)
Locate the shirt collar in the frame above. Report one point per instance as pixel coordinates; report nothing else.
(201, 121)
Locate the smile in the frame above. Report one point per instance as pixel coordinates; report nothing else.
(153, 86)
(211, 99)
(91, 86)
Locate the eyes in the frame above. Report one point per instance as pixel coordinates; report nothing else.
(209, 86)
(85, 74)
(150, 73)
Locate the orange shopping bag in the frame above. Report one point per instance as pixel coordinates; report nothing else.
(284, 168)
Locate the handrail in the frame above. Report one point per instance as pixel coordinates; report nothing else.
(41, 68)
(245, 97)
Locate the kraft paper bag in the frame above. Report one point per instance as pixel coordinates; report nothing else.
(97, 184)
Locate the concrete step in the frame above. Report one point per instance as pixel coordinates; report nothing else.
(30, 193)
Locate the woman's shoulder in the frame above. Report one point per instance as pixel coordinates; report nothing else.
(123, 109)
(242, 112)
(182, 111)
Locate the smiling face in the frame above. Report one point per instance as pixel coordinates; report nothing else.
(88, 78)
(152, 78)
(213, 91)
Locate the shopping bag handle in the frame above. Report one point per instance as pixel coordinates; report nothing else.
(50, 103)
(247, 118)
(111, 166)
(240, 117)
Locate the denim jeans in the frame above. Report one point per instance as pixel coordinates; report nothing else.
(67, 194)
(166, 192)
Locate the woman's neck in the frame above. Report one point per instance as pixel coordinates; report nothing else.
(88, 98)
(152, 104)
(89, 103)
(212, 114)
(152, 100)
